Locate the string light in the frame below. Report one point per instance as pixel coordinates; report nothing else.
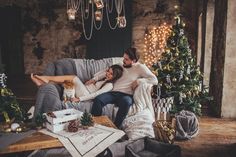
(155, 42)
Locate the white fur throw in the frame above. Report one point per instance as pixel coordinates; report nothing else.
(142, 99)
(139, 125)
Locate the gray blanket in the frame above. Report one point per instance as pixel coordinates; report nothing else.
(186, 125)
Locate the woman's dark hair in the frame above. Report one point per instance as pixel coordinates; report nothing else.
(132, 53)
(117, 72)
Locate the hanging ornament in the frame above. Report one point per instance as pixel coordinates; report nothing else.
(159, 64)
(188, 70)
(121, 21)
(174, 79)
(168, 79)
(200, 85)
(198, 71)
(186, 78)
(98, 15)
(99, 4)
(199, 105)
(180, 97)
(71, 14)
(196, 88)
(176, 54)
(3, 78)
(181, 32)
(181, 75)
(167, 51)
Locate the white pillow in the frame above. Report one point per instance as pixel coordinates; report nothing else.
(139, 125)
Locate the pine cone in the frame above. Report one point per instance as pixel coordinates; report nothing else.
(73, 126)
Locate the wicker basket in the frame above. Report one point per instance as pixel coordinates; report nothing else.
(165, 130)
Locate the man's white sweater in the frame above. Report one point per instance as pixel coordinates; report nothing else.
(138, 71)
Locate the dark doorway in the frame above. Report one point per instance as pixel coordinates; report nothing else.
(111, 43)
(11, 40)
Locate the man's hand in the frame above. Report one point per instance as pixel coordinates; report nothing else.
(134, 84)
(75, 100)
(90, 82)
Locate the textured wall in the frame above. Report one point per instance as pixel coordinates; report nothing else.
(229, 89)
(208, 44)
(49, 36)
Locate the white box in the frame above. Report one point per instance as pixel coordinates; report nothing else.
(59, 122)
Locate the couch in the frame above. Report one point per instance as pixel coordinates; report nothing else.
(49, 96)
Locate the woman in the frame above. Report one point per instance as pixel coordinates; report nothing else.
(85, 91)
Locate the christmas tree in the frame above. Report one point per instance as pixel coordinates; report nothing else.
(178, 74)
(86, 119)
(9, 107)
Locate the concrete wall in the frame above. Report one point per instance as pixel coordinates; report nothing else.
(229, 89)
(209, 38)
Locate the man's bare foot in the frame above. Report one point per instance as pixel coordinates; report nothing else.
(36, 81)
(42, 78)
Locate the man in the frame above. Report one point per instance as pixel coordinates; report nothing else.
(122, 93)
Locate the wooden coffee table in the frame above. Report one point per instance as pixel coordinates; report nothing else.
(39, 140)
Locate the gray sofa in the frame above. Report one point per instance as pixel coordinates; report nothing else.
(49, 96)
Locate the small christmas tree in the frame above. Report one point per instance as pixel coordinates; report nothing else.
(86, 119)
(178, 73)
(9, 106)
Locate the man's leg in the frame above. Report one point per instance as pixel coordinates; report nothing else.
(100, 101)
(124, 103)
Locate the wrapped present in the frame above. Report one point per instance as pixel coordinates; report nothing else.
(165, 130)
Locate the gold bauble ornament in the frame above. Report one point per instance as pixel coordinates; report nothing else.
(174, 79)
(168, 67)
(195, 88)
(176, 54)
(188, 93)
(183, 24)
(196, 92)
(167, 51)
(186, 78)
(19, 129)
(7, 130)
(199, 106)
(198, 72)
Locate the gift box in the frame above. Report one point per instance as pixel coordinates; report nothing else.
(165, 130)
(58, 120)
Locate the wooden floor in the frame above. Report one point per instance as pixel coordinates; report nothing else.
(216, 138)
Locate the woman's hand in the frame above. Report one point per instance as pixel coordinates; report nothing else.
(75, 100)
(90, 82)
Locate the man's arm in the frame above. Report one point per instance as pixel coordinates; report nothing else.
(146, 75)
(98, 76)
(106, 88)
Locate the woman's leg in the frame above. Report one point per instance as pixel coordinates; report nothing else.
(56, 79)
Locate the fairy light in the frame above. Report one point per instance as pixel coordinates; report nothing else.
(155, 42)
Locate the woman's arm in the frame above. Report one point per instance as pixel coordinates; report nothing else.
(98, 76)
(106, 88)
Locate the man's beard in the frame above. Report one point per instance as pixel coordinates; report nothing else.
(127, 66)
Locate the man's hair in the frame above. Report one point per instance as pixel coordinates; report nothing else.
(132, 53)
